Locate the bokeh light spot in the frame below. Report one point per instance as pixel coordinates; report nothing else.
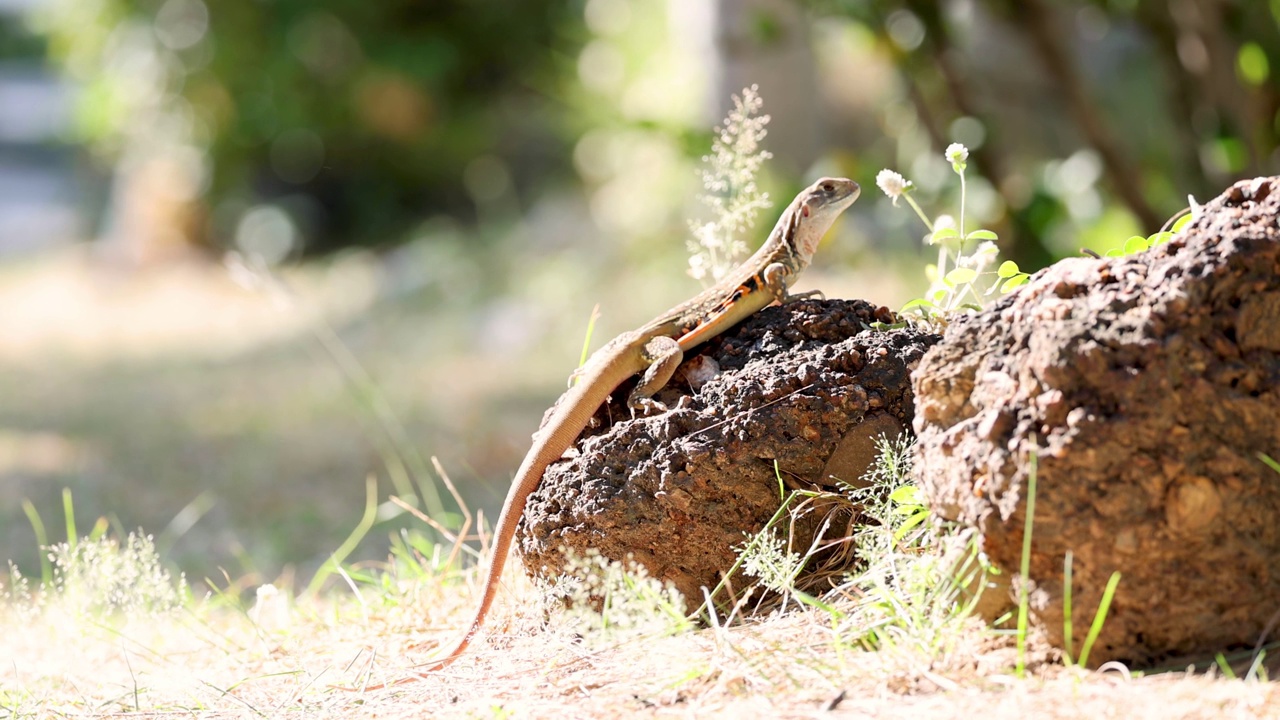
(297, 155)
(268, 232)
(607, 17)
(905, 29)
(601, 66)
(181, 24)
(486, 179)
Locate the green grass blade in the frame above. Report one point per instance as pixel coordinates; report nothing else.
(42, 541)
(1257, 671)
(1265, 458)
(1024, 568)
(1099, 618)
(1225, 667)
(591, 329)
(100, 529)
(366, 522)
(69, 513)
(399, 456)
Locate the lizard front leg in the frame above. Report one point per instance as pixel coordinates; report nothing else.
(663, 354)
(775, 283)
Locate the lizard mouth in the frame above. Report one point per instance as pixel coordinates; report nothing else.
(850, 192)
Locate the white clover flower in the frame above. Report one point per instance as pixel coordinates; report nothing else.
(981, 258)
(944, 222)
(957, 154)
(986, 247)
(892, 184)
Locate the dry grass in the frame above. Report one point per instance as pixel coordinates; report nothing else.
(211, 658)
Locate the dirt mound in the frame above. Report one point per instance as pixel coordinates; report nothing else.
(802, 388)
(1146, 386)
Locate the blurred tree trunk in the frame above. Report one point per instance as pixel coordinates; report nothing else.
(764, 43)
(154, 211)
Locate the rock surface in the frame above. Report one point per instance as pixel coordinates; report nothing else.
(1146, 386)
(805, 387)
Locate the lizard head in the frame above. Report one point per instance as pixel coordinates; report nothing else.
(819, 206)
(829, 196)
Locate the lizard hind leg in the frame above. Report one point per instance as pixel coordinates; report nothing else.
(663, 355)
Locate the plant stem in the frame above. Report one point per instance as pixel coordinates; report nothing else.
(911, 201)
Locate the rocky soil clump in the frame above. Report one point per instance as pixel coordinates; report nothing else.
(794, 396)
(1145, 387)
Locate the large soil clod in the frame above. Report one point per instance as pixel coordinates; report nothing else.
(800, 393)
(1145, 387)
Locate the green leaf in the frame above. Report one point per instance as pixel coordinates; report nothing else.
(906, 495)
(918, 302)
(1159, 238)
(981, 234)
(1114, 252)
(1007, 269)
(1181, 222)
(1014, 282)
(960, 276)
(1135, 244)
(812, 601)
(938, 295)
(910, 524)
(943, 234)
(885, 327)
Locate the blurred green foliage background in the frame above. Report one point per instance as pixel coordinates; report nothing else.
(446, 188)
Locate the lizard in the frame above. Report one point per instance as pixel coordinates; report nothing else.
(655, 350)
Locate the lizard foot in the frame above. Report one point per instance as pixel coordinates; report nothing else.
(794, 297)
(645, 406)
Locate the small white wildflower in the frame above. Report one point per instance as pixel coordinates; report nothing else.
(941, 226)
(271, 608)
(892, 184)
(957, 154)
(981, 258)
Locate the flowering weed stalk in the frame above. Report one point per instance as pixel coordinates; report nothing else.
(729, 176)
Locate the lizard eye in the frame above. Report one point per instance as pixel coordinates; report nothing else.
(828, 187)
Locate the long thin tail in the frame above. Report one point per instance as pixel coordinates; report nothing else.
(502, 540)
(572, 415)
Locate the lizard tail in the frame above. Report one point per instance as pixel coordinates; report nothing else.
(573, 412)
